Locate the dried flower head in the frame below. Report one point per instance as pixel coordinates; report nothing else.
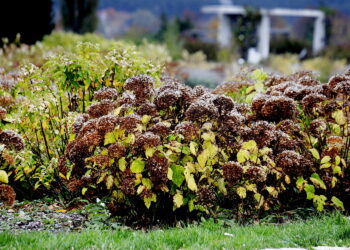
(3, 113)
(106, 93)
(160, 129)
(289, 127)
(223, 103)
(147, 140)
(290, 162)
(127, 98)
(116, 150)
(7, 195)
(278, 108)
(255, 174)
(201, 111)
(106, 123)
(74, 185)
(127, 185)
(167, 98)
(158, 167)
(206, 196)
(308, 81)
(101, 109)
(147, 109)
(141, 86)
(318, 126)
(343, 87)
(262, 132)
(11, 140)
(189, 130)
(335, 141)
(310, 101)
(79, 122)
(62, 165)
(232, 171)
(334, 80)
(99, 160)
(129, 122)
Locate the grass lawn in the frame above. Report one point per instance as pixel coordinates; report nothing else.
(331, 230)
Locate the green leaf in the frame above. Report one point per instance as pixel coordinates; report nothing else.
(325, 159)
(242, 192)
(122, 164)
(148, 200)
(109, 182)
(203, 157)
(310, 191)
(300, 182)
(109, 138)
(338, 203)
(339, 117)
(191, 183)
(315, 178)
(178, 199)
(249, 145)
(337, 170)
(315, 153)
(320, 200)
(178, 176)
(243, 155)
(137, 166)
(147, 183)
(149, 152)
(193, 148)
(3, 177)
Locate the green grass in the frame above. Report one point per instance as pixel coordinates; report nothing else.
(331, 230)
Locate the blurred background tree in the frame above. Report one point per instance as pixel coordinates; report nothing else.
(79, 16)
(31, 20)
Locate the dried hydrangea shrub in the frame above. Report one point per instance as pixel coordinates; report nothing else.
(158, 166)
(188, 129)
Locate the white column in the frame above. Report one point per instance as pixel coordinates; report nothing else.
(318, 42)
(224, 35)
(264, 36)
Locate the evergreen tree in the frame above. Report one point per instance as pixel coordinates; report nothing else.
(30, 19)
(79, 16)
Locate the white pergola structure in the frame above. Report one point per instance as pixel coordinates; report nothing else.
(224, 34)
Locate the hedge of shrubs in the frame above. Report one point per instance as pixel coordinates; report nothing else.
(154, 148)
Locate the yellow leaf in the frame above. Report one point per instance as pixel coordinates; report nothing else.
(315, 153)
(148, 200)
(178, 200)
(249, 145)
(147, 183)
(193, 148)
(83, 191)
(242, 155)
(325, 159)
(272, 191)
(202, 158)
(149, 152)
(146, 119)
(170, 174)
(3, 177)
(339, 117)
(242, 192)
(287, 179)
(191, 183)
(221, 186)
(122, 164)
(140, 189)
(109, 182)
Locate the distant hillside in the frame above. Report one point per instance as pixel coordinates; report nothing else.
(177, 7)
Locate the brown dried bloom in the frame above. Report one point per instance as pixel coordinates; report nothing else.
(160, 129)
(79, 122)
(334, 80)
(130, 122)
(289, 127)
(278, 108)
(343, 87)
(116, 150)
(74, 185)
(147, 109)
(128, 183)
(99, 160)
(206, 196)
(223, 103)
(3, 113)
(101, 109)
(233, 121)
(255, 174)
(335, 141)
(290, 162)
(232, 171)
(308, 81)
(147, 140)
(7, 195)
(158, 167)
(106, 93)
(7, 101)
(262, 132)
(11, 140)
(127, 98)
(106, 123)
(141, 86)
(167, 98)
(189, 130)
(310, 101)
(62, 165)
(318, 126)
(201, 111)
